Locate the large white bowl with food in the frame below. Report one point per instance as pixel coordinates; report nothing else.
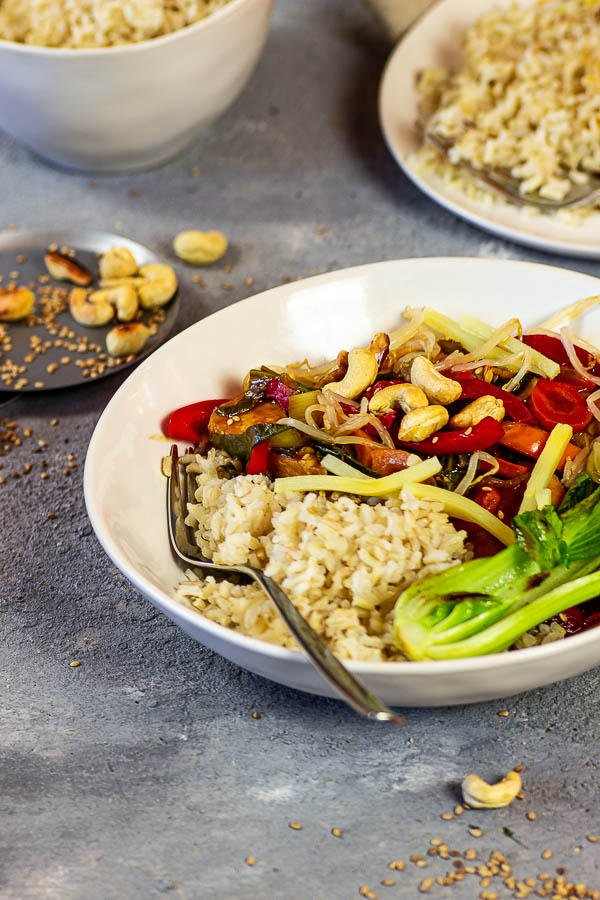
(125, 490)
(132, 106)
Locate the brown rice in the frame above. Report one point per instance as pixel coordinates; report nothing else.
(526, 97)
(342, 562)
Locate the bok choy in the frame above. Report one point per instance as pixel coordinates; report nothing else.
(485, 605)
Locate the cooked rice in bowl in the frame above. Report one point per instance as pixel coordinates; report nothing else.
(526, 97)
(97, 23)
(342, 562)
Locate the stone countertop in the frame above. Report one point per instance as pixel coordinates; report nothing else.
(156, 768)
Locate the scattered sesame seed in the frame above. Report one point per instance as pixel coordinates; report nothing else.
(54, 421)
(74, 663)
(397, 864)
(475, 832)
(426, 885)
(256, 715)
(227, 285)
(531, 816)
(296, 826)
(546, 854)
(447, 816)
(592, 838)
(458, 810)
(388, 882)
(249, 282)
(504, 713)
(519, 768)
(44, 475)
(250, 860)
(336, 832)
(51, 515)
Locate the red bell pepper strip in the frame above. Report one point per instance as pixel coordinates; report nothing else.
(259, 459)
(505, 469)
(553, 402)
(474, 387)
(189, 423)
(530, 441)
(478, 437)
(553, 348)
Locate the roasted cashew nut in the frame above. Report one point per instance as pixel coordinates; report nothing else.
(200, 248)
(481, 795)
(117, 262)
(478, 410)
(422, 423)
(362, 372)
(63, 268)
(87, 311)
(123, 298)
(15, 304)
(397, 396)
(158, 286)
(127, 339)
(438, 388)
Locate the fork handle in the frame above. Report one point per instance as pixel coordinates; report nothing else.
(344, 682)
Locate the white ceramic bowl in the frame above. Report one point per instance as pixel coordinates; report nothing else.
(125, 491)
(117, 109)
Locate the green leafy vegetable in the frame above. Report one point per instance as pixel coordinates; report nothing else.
(240, 445)
(485, 605)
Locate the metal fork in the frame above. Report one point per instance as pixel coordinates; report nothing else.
(506, 184)
(183, 545)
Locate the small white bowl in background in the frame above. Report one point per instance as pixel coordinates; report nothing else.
(118, 109)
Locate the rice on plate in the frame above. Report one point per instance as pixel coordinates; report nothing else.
(97, 23)
(526, 98)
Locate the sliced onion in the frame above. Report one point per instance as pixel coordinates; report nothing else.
(574, 466)
(499, 363)
(323, 436)
(518, 377)
(402, 335)
(593, 404)
(465, 482)
(341, 399)
(573, 311)
(496, 337)
(567, 343)
(310, 411)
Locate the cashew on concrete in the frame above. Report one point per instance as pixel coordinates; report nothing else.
(481, 795)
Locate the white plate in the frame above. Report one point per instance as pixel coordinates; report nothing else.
(436, 40)
(125, 492)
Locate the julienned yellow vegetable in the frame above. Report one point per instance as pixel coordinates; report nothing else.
(546, 465)
(463, 508)
(373, 487)
(454, 504)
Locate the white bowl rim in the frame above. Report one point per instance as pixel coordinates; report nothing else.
(71, 52)
(274, 651)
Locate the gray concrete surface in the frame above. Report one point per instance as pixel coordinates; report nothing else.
(143, 773)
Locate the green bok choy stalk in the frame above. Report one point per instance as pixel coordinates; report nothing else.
(485, 605)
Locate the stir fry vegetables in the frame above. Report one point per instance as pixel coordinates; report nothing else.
(494, 424)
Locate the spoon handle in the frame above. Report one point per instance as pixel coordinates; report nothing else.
(339, 677)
